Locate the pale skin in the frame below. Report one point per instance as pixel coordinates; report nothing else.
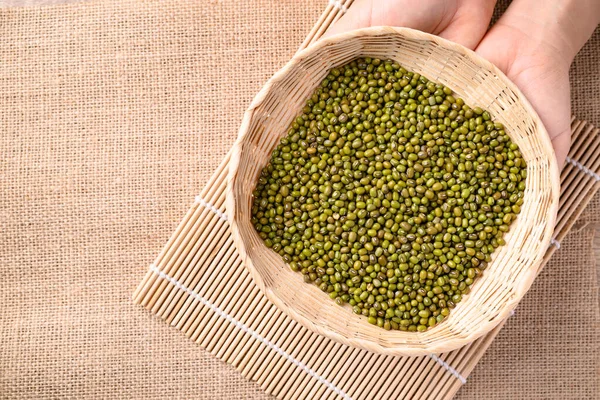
(533, 43)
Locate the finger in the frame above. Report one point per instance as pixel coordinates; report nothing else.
(557, 120)
(426, 15)
(562, 144)
(469, 22)
(358, 16)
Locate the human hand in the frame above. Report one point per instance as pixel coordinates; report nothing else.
(462, 21)
(534, 47)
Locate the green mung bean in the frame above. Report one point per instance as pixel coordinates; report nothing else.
(390, 193)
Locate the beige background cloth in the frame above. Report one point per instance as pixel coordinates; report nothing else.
(113, 115)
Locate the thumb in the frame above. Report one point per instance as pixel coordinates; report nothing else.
(358, 16)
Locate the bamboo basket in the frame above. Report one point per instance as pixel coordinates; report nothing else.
(513, 266)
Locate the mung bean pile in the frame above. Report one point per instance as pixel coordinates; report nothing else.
(389, 193)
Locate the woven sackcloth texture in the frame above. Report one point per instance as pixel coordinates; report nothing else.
(113, 116)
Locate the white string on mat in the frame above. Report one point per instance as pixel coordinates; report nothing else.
(585, 169)
(211, 207)
(338, 4)
(272, 345)
(449, 368)
(555, 243)
(250, 331)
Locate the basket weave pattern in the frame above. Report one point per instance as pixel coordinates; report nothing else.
(513, 267)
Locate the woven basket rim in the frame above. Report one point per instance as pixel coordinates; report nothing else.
(522, 286)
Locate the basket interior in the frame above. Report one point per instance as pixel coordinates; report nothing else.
(513, 265)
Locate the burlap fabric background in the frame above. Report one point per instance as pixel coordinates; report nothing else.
(113, 115)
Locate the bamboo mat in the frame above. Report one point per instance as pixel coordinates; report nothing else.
(198, 285)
